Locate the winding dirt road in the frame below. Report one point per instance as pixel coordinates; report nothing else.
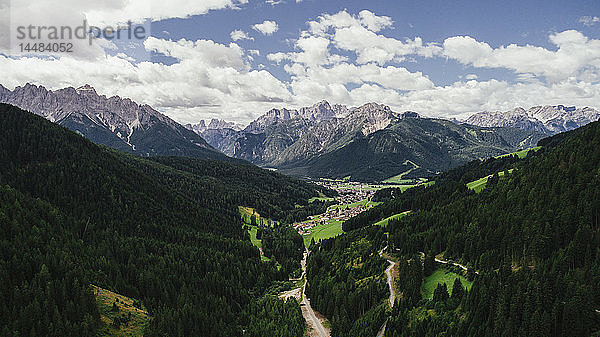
(388, 272)
(453, 264)
(392, 299)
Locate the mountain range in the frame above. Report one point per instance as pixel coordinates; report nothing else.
(370, 142)
(548, 119)
(116, 122)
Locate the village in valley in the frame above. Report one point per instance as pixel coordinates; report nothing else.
(353, 198)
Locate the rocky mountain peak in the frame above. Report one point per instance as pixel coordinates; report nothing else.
(409, 114)
(372, 111)
(317, 112)
(86, 89)
(3, 91)
(116, 122)
(549, 119)
(322, 103)
(217, 124)
(371, 117)
(374, 107)
(197, 128)
(30, 89)
(517, 111)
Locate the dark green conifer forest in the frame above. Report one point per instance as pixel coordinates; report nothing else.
(165, 231)
(347, 284)
(532, 235)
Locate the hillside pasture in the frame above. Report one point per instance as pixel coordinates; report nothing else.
(120, 315)
(439, 276)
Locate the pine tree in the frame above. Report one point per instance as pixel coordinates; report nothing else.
(440, 293)
(457, 291)
(428, 264)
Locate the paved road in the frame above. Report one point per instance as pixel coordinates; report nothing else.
(318, 330)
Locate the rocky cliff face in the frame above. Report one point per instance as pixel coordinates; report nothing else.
(114, 121)
(265, 139)
(214, 124)
(285, 135)
(330, 134)
(413, 147)
(548, 119)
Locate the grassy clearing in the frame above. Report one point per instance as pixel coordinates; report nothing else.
(320, 197)
(325, 231)
(522, 154)
(439, 276)
(385, 221)
(400, 177)
(264, 258)
(128, 320)
(248, 212)
(405, 185)
(424, 183)
(398, 180)
(256, 242)
(479, 184)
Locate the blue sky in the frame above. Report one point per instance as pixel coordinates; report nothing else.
(496, 22)
(440, 58)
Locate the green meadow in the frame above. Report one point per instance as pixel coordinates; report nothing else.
(385, 221)
(120, 315)
(522, 154)
(479, 184)
(439, 276)
(327, 230)
(364, 202)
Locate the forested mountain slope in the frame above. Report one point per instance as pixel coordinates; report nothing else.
(347, 284)
(76, 213)
(418, 146)
(533, 236)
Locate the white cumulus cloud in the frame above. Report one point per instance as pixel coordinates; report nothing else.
(342, 57)
(239, 35)
(266, 28)
(575, 53)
